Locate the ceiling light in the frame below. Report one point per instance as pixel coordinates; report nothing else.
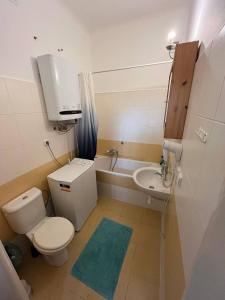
(172, 43)
(171, 36)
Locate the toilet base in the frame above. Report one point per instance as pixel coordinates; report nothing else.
(57, 259)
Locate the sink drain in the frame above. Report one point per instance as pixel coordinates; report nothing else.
(151, 187)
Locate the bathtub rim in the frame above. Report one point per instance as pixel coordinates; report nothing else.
(151, 164)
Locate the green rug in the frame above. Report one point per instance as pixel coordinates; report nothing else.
(99, 264)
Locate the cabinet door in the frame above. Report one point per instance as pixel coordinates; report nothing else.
(181, 80)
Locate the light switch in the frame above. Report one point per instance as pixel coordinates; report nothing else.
(202, 134)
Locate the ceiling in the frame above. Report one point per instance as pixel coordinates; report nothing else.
(99, 13)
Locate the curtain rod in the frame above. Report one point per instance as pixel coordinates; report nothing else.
(134, 67)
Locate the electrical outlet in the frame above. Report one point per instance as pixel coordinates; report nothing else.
(46, 143)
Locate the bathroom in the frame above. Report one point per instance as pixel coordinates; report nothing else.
(164, 215)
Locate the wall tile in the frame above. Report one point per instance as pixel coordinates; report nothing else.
(31, 127)
(190, 226)
(197, 101)
(5, 107)
(58, 144)
(132, 116)
(47, 126)
(36, 155)
(203, 165)
(13, 163)
(70, 140)
(23, 128)
(174, 269)
(212, 173)
(193, 149)
(220, 114)
(34, 127)
(213, 77)
(8, 132)
(23, 96)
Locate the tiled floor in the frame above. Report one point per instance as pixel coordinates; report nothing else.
(139, 277)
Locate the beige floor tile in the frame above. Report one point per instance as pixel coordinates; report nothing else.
(147, 235)
(110, 205)
(111, 215)
(142, 234)
(121, 289)
(94, 296)
(145, 264)
(75, 248)
(85, 233)
(98, 214)
(140, 271)
(132, 212)
(138, 289)
(70, 296)
(95, 217)
(41, 276)
(135, 226)
(69, 285)
(127, 263)
(128, 222)
(152, 218)
(39, 295)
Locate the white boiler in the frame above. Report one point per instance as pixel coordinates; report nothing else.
(61, 88)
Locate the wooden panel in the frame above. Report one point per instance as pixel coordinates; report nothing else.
(182, 75)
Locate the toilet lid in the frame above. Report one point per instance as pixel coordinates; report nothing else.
(54, 233)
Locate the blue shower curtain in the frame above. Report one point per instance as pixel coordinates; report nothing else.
(88, 125)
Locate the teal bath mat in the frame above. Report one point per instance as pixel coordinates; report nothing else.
(100, 262)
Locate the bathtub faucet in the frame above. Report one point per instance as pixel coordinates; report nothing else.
(112, 151)
(114, 156)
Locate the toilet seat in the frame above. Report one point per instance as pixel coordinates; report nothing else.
(53, 235)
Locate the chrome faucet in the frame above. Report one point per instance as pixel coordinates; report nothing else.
(112, 151)
(164, 169)
(158, 173)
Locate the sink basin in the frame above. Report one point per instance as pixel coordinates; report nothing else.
(150, 182)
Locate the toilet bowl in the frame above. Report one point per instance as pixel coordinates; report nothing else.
(49, 235)
(51, 238)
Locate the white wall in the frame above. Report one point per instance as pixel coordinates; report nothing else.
(139, 41)
(207, 280)
(130, 104)
(132, 116)
(23, 119)
(208, 18)
(136, 42)
(53, 24)
(203, 164)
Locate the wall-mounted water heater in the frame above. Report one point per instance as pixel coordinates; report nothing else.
(61, 88)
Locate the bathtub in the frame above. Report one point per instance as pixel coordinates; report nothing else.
(119, 183)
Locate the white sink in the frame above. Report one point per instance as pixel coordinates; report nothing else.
(150, 182)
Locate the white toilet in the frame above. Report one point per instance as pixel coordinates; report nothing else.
(26, 214)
